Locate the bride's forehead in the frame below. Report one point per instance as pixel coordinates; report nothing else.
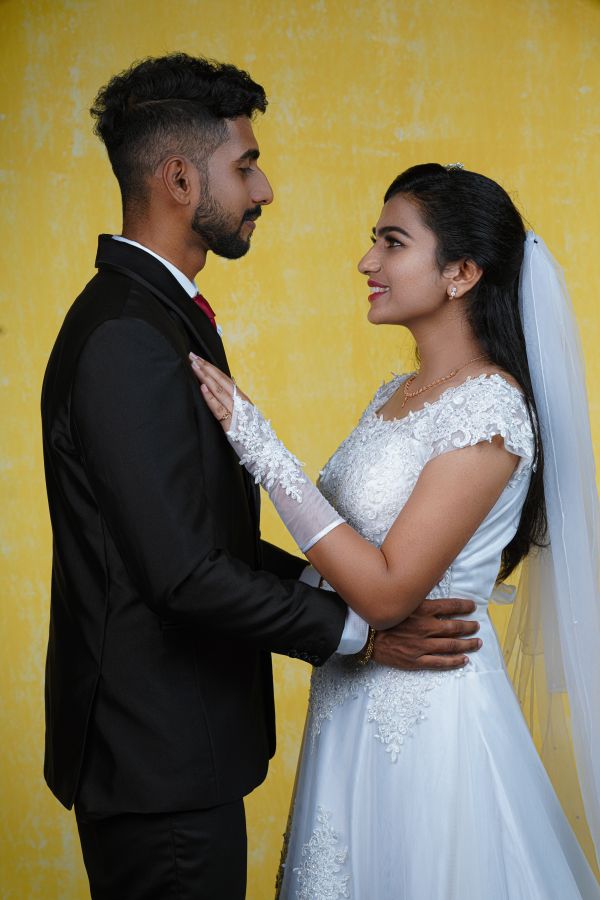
(403, 211)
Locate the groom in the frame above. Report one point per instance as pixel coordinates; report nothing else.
(166, 603)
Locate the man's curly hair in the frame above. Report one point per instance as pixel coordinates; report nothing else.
(169, 104)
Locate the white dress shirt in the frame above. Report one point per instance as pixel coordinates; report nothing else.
(356, 631)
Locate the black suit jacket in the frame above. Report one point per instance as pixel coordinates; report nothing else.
(159, 692)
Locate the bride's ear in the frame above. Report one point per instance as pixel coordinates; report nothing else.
(462, 277)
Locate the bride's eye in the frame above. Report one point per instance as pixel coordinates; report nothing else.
(393, 242)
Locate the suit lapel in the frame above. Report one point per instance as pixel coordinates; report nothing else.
(144, 269)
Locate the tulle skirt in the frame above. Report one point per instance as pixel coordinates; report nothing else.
(425, 786)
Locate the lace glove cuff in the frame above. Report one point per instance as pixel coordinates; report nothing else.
(304, 511)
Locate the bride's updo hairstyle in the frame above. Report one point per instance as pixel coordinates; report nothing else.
(473, 218)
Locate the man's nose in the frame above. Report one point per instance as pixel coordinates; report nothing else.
(262, 192)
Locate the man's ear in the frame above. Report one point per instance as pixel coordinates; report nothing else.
(462, 277)
(180, 179)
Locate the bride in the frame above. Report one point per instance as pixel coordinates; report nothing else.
(427, 785)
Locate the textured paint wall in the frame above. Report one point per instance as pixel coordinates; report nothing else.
(358, 91)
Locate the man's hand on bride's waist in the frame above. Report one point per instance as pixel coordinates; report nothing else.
(428, 639)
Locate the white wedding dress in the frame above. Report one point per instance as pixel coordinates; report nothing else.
(427, 785)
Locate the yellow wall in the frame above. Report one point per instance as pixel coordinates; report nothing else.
(358, 91)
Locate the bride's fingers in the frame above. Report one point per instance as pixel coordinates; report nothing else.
(216, 389)
(221, 413)
(223, 383)
(218, 382)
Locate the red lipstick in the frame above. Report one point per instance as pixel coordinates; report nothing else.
(379, 289)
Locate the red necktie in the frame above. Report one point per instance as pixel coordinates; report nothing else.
(206, 308)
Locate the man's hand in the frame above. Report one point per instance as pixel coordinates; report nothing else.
(427, 639)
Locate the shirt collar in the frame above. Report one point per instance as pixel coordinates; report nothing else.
(188, 286)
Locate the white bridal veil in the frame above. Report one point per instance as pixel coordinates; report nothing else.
(552, 647)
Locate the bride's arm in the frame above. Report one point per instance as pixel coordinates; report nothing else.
(453, 495)
(451, 498)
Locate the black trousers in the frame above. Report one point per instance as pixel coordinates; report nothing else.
(194, 855)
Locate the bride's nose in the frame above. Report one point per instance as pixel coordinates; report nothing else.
(369, 263)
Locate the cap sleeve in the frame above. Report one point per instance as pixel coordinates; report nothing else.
(384, 392)
(478, 410)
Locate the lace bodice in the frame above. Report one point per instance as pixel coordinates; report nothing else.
(369, 479)
(371, 475)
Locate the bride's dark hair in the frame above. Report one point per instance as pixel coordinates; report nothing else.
(473, 218)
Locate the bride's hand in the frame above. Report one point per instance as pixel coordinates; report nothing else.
(303, 509)
(217, 389)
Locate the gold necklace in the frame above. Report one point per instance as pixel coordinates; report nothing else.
(408, 395)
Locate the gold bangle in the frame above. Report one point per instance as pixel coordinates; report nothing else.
(369, 648)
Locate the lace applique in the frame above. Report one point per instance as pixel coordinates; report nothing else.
(398, 698)
(372, 474)
(398, 701)
(340, 679)
(322, 860)
(442, 588)
(480, 409)
(263, 453)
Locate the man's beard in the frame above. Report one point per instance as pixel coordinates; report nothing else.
(218, 231)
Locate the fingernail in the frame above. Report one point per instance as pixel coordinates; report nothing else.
(204, 389)
(479, 644)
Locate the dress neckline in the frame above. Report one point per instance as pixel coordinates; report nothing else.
(399, 379)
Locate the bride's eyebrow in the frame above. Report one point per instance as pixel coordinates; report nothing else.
(381, 232)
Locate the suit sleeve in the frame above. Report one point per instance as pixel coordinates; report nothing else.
(281, 563)
(136, 423)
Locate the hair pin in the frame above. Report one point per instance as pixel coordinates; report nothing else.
(451, 166)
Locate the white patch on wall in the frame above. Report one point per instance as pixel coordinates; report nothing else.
(79, 106)
(78, 144)
(412, 132)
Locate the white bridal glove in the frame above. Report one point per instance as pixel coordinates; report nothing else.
(305, 512)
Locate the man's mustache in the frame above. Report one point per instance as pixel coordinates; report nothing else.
(252, 214)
